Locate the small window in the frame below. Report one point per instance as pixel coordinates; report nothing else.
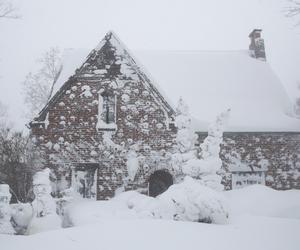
(108, 108)
(107, 111)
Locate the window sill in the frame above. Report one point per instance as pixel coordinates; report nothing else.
(102, 126)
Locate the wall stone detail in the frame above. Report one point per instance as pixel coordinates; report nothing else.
(278, 152)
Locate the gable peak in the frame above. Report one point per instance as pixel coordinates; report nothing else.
(111, 37)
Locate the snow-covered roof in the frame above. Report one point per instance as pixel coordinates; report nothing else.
(211, 82)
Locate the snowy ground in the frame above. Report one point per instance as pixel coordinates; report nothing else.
(261, 219)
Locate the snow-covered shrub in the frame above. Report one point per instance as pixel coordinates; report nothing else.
(63, 204)
(132, 162)
(194, 202)
(21, 216)
(44, 206)
(5, 210)
(187, 201)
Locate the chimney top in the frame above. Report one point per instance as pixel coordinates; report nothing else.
(255, 32)
(257, 45)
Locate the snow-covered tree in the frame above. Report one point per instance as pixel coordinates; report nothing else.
(207, 165)
(38, 86)
(185, 135)
(19, 160)
(185, 139)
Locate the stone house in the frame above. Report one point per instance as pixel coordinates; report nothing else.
(108, 127)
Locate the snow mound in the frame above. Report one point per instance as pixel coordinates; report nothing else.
(195, 202)
(43, 224)
(187, 201)
(264, 201)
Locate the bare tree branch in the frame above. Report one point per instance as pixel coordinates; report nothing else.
(7, 10)
(39, 86)
(293, 10)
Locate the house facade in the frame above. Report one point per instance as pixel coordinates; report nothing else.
(109, 128)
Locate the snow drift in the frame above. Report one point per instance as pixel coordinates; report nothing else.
(187, 201)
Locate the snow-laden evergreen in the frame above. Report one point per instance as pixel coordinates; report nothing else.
(185, 139)
(185, 135)
(207, 165)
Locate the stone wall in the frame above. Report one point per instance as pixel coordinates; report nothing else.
(278, 152)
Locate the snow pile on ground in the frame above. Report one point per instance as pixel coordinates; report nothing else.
(187, 201)
(254, 224)
(263, 201)
(195, 202)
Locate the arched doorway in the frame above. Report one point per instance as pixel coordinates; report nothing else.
(159, 182)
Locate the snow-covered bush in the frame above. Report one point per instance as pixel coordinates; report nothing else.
(5, 210)
(44, 206)
(21, 216)
(63, 204)
(187, 201)
(194, 202)
(132, 162)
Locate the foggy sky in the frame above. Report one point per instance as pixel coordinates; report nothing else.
(155, 24)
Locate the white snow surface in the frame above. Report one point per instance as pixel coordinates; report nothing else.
(211, 81)
(261, 219)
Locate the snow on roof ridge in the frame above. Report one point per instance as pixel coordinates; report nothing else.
(191, 50)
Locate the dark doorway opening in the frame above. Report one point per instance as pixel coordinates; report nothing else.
(84, 180)
(159, 182)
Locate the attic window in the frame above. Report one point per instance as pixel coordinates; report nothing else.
(107, 111)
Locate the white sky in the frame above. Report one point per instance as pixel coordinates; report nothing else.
(153, 24)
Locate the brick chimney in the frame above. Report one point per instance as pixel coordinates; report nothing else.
(257, 45)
